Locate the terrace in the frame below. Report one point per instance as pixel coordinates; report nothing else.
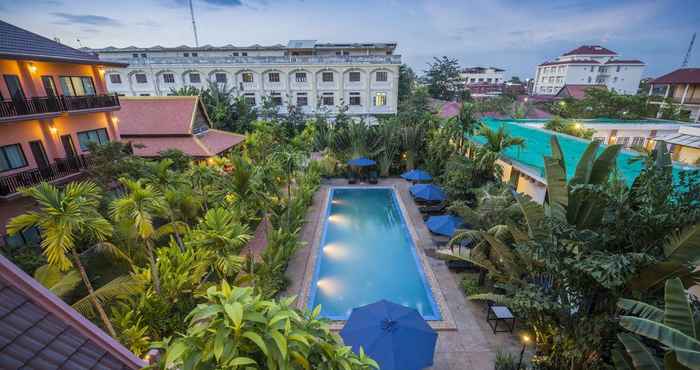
(51, 106)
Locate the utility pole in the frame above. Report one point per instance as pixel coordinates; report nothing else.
(194, 25)
(690, 50)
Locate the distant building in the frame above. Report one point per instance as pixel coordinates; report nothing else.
(682, 86)
(685, 144)
(303, 73)
(482, 75)
(158, 123)
(588, 65)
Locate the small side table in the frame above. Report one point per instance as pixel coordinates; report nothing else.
(498, 314)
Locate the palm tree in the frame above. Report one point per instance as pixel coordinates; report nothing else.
(291, 160)
(63, 217)
(466, 122)
(138, 208)
(220, 233)
(497, 141)
(411, 141)
(388, 134)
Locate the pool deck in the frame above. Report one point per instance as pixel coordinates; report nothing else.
(465, 341)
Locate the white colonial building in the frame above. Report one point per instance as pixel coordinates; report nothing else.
(304, 73)
(588, 65)
(483, 75)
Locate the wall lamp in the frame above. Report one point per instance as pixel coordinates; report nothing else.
(32, 68)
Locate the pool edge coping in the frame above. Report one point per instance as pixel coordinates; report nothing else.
(446, 321)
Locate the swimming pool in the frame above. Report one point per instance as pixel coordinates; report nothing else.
(366, 254)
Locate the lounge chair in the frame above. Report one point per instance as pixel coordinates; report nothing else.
(352, 178)
(373, 177)
(436, 209)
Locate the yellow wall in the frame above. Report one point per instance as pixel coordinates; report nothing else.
(686, 154)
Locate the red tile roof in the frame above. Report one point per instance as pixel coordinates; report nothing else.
(577, 91)
(449, 109)
(40, 331)
(570, 62)
(158, 115)
(680, 76)
(623, 61)
(206, 144)
(590, 50)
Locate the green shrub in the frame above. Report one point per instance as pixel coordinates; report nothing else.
(470, 285)
(505, 361)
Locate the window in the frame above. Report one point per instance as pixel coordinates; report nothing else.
(489, 80)
(249, 99)
(12, 157)
(338, 53)
(194, 54)
(276, 98)
(49, 85)
(195, 78)
(589, 79)
(380, 99)
(355, 98)
(302, 100)
(140, 78)
(472, 80)
(115, 78)
(235, 54)
(300, 76)
(327, 77)
(98, 136)
(143, 55)
(624, 141)
(592, 67)
(244, 54)
(615, 79)
(220, 78)
(382, 76)
(327, 99)
(354, 76)
(638, 141)
(247, 77)
(77, 86)
(273, 77)
(168, 78)
(618, 69)
(145, 94)
(185, 55)
(135, 55)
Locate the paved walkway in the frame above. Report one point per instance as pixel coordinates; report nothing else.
(472, 346)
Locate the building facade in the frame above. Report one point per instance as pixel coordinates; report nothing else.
(588, 65)
(682, 86)
(311, 76)
(53, 102)
(483, 75)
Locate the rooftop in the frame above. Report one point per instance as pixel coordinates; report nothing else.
(577, 91)
(481, 69)
(18, 43)
(682, 75)
(40, 331)
(292, 44)
(590, 50)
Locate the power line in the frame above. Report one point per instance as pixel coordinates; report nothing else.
(690, 50)
(194, 25)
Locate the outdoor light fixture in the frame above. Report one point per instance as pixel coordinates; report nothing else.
(32, 68)
(53, 130)
(526, 340)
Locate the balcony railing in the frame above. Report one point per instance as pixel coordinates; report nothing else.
(55, 104)
(61, 167)
(292, 59)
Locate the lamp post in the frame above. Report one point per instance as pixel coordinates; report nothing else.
(526, 339)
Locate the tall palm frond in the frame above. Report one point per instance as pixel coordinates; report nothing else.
(58, 282)
(120, 287)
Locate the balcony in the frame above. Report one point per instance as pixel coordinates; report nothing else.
(277, 60)
(53, 105)
(60, 168)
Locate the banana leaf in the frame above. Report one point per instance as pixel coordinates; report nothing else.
(557, 190)
(684, 247)
(641, 309)
(641, 356)
(677, 313)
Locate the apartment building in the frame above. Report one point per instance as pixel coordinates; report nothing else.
(53, 102)
(588, 65)
(310, 75)
(682, 86)
(481, 75)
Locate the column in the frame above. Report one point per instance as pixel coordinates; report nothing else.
(368, 99)
(100, 84)
(112, 126)
(342, 86)
(27, 79)
(314, 90)
(685, 93)
(51, 138)
(661, 106)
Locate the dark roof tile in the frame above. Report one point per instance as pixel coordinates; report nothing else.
(19, 43)
(682, 76)
(591, 50)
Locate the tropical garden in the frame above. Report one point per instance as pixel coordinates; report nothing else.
(156, 251)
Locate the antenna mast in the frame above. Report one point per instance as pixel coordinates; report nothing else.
(194, 26)
(690, 50)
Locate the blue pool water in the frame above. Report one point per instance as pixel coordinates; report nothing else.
(367, 254)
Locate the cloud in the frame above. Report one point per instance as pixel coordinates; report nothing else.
(85, 19)
(216, 3)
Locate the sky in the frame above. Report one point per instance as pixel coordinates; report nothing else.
(515, 35)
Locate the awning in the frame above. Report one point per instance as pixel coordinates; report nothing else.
(691, 141)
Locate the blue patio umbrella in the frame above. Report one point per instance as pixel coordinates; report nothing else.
(417, 175)
(361, 162)
(427, 192)
(444, 225)
(395, 336)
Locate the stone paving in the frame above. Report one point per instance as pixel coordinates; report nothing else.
(471, 345)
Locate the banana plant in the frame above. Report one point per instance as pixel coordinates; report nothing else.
(567, 200)
(676, 328)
